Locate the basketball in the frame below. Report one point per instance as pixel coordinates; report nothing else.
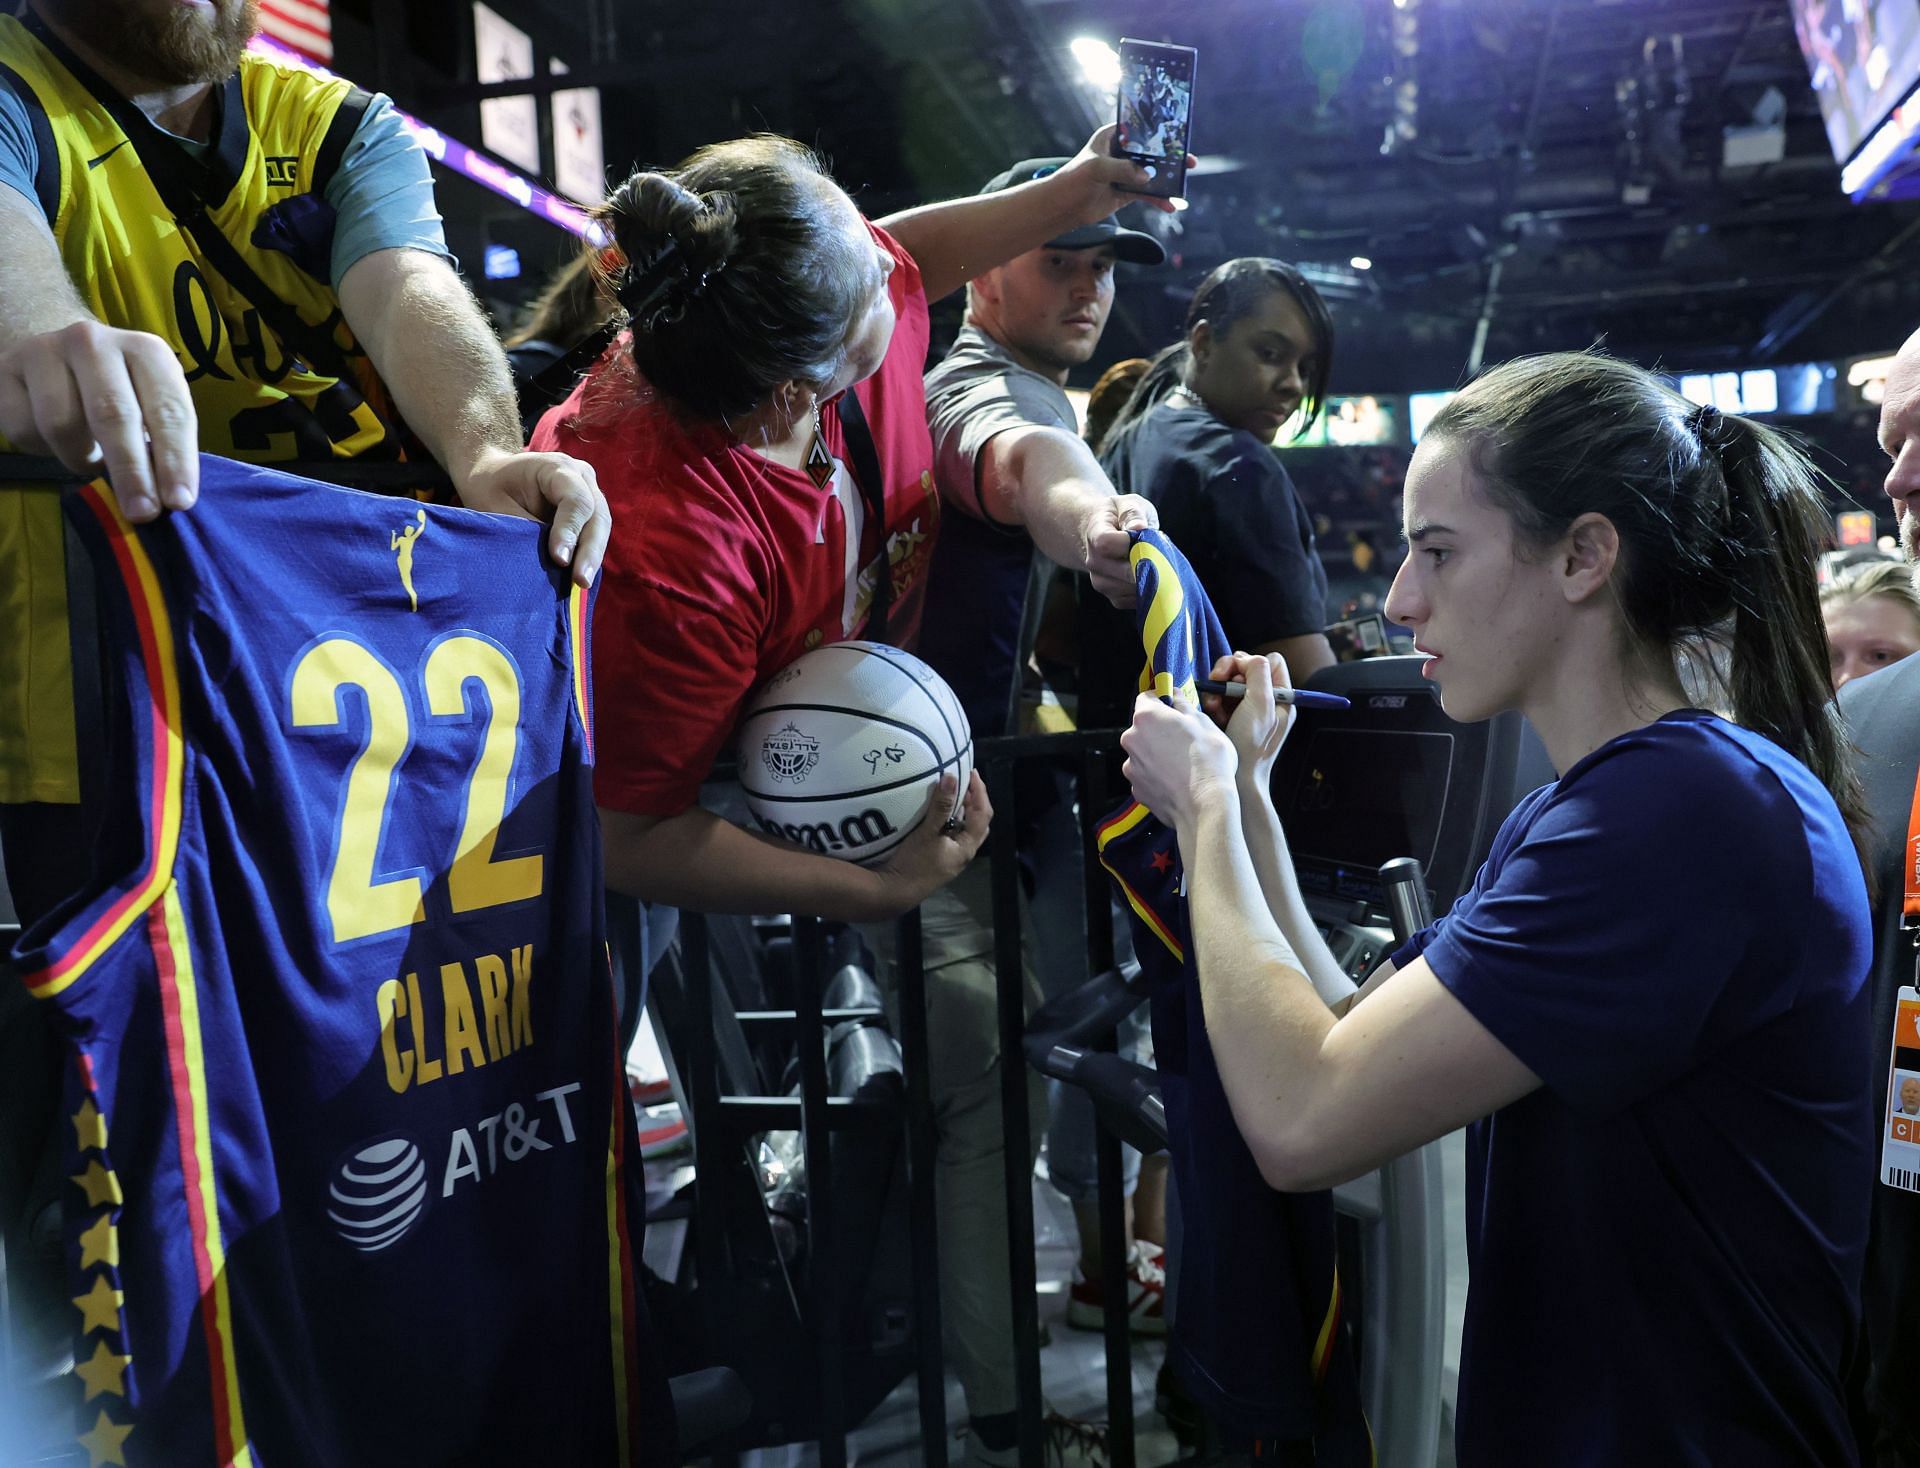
(839, 750)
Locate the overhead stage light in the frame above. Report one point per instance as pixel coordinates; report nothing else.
(1099, 62)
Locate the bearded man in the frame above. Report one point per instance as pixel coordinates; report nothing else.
(200, 249)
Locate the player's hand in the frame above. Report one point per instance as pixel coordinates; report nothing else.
(1256, 724)
(106, 401)
(937, 851)
(542, 486)
(1096, 173)
(1108, 545)
(1175, 758)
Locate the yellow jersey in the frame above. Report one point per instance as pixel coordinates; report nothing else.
(279, 136)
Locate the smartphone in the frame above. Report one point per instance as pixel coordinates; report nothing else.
(1155, 115)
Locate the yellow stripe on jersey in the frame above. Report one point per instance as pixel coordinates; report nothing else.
(188, 1064)
(167, 751)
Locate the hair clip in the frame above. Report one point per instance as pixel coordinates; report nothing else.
(644, 291)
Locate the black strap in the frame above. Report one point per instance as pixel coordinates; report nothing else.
(553, 382)
(865, 468)
(46, 170)
(189, 186)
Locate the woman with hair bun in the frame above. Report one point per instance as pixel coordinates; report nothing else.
(762, 310)
(1652, 1004)
(768, 322)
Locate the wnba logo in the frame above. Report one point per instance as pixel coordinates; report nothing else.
(377, 1193)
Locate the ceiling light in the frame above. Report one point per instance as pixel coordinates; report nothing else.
(1361, 262)
(1099, 62)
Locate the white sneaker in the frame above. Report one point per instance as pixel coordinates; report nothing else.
(1146, 1294)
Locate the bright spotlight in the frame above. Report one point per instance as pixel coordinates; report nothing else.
(1099, 62)
(1361, 262)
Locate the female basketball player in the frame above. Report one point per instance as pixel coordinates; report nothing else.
(750, 530)
(1193, 439)
(1651, 1003)
(1872, 614)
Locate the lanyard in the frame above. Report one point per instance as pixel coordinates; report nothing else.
(1910, 867)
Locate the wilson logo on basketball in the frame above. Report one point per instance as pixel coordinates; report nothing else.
(828, 838)
(789, 754)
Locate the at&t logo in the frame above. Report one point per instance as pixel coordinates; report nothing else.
(377, 1193)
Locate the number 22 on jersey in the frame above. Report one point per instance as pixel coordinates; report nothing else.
(359, 904)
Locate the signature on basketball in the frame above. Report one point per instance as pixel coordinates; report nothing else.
(892, 754)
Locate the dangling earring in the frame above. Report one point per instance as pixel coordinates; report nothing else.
(819, 460)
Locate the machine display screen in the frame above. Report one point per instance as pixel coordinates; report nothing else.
(1362, 797)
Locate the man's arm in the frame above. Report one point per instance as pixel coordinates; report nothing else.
(1306, 654)
(1047, 480)
(97, 398)
(428, 341)
(954, 241)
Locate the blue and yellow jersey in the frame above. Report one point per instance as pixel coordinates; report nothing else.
(1258, 1338)
(281, 133)
(353, 1173)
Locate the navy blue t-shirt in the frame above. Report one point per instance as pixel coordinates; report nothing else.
(1666, 1240)
(1224, 499)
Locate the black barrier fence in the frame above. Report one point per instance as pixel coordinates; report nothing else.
(725, 1121)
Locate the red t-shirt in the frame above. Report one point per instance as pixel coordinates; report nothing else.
(724, 566)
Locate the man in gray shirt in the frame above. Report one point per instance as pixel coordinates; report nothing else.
(1006, 444)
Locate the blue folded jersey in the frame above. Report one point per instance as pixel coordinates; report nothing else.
(354, 1175)
(1257, 1333)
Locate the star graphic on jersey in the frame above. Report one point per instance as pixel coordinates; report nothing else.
(100, 1244)
(101, 1185)
(90, 1127)
(103, 1444)
(1163, 861)
(99, 1307)
(106, 1372)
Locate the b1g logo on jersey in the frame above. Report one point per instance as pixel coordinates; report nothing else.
(790, 755)
(378, 1193)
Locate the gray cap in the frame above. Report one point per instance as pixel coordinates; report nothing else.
(1128, 244)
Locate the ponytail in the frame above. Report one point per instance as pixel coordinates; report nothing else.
(1720, 520)
(1166, 371)
(1779, 675)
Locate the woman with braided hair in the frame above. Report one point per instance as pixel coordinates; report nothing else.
(1652, 1003)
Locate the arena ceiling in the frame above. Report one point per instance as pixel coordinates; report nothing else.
(1545, 173)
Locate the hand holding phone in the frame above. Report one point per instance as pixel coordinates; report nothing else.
(1153, 122)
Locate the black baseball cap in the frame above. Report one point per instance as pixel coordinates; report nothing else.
(1128, 244)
